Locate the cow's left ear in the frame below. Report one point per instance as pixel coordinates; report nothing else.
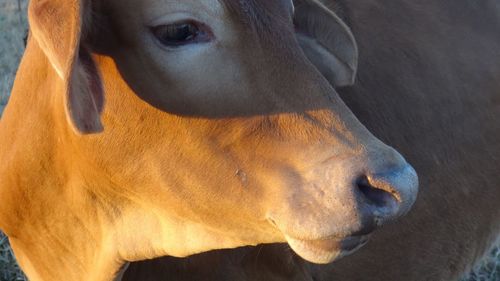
(57, 27)
(327, 41)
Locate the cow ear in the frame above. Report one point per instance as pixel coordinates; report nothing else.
(327, 41)
(57, 26)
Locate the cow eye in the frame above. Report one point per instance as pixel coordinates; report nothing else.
(178, 34)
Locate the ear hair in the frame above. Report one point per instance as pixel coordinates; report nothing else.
(57, 26)
(327, 41)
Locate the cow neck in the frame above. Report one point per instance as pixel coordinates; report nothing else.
(57, 227)
(61, 224)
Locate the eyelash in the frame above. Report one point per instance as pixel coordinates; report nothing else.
(182, 33)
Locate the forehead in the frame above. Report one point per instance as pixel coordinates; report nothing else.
(267, 19)
(255, 12)
(259, 11)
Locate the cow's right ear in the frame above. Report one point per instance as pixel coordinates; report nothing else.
(57, 27)
(326, 41)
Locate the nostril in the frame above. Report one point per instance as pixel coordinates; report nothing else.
(387, 195)
(375, 196)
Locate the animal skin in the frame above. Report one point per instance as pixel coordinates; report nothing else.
(118, 148)
(429, 84)
(142, 129)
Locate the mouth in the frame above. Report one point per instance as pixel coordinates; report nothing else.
(327, 250)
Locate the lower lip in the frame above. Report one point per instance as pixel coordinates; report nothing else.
(323, 251)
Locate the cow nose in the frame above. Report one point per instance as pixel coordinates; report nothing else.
(388, 195)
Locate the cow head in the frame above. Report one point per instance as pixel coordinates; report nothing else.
(197, 125)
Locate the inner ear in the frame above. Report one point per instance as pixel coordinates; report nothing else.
(327, 42)
(85, 97)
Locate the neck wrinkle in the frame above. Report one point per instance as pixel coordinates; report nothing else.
(71, 238)
(57, 222)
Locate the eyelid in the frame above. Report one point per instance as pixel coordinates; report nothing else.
(202, 27)
(172, 18)
(205, 34)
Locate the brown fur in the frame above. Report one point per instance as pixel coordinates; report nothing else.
(429, 84)
(112, 153)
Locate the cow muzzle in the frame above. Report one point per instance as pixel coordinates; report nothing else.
(324, 224)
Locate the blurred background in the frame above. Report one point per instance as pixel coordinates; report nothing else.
(13, 28)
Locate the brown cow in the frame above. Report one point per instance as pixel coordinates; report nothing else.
(139, 129)
(429, 84)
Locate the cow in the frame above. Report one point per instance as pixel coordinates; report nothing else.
(428, 84)
(142, 129)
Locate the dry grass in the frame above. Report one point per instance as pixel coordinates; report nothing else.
(12, 31)
(488, 269)
(9, 271)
